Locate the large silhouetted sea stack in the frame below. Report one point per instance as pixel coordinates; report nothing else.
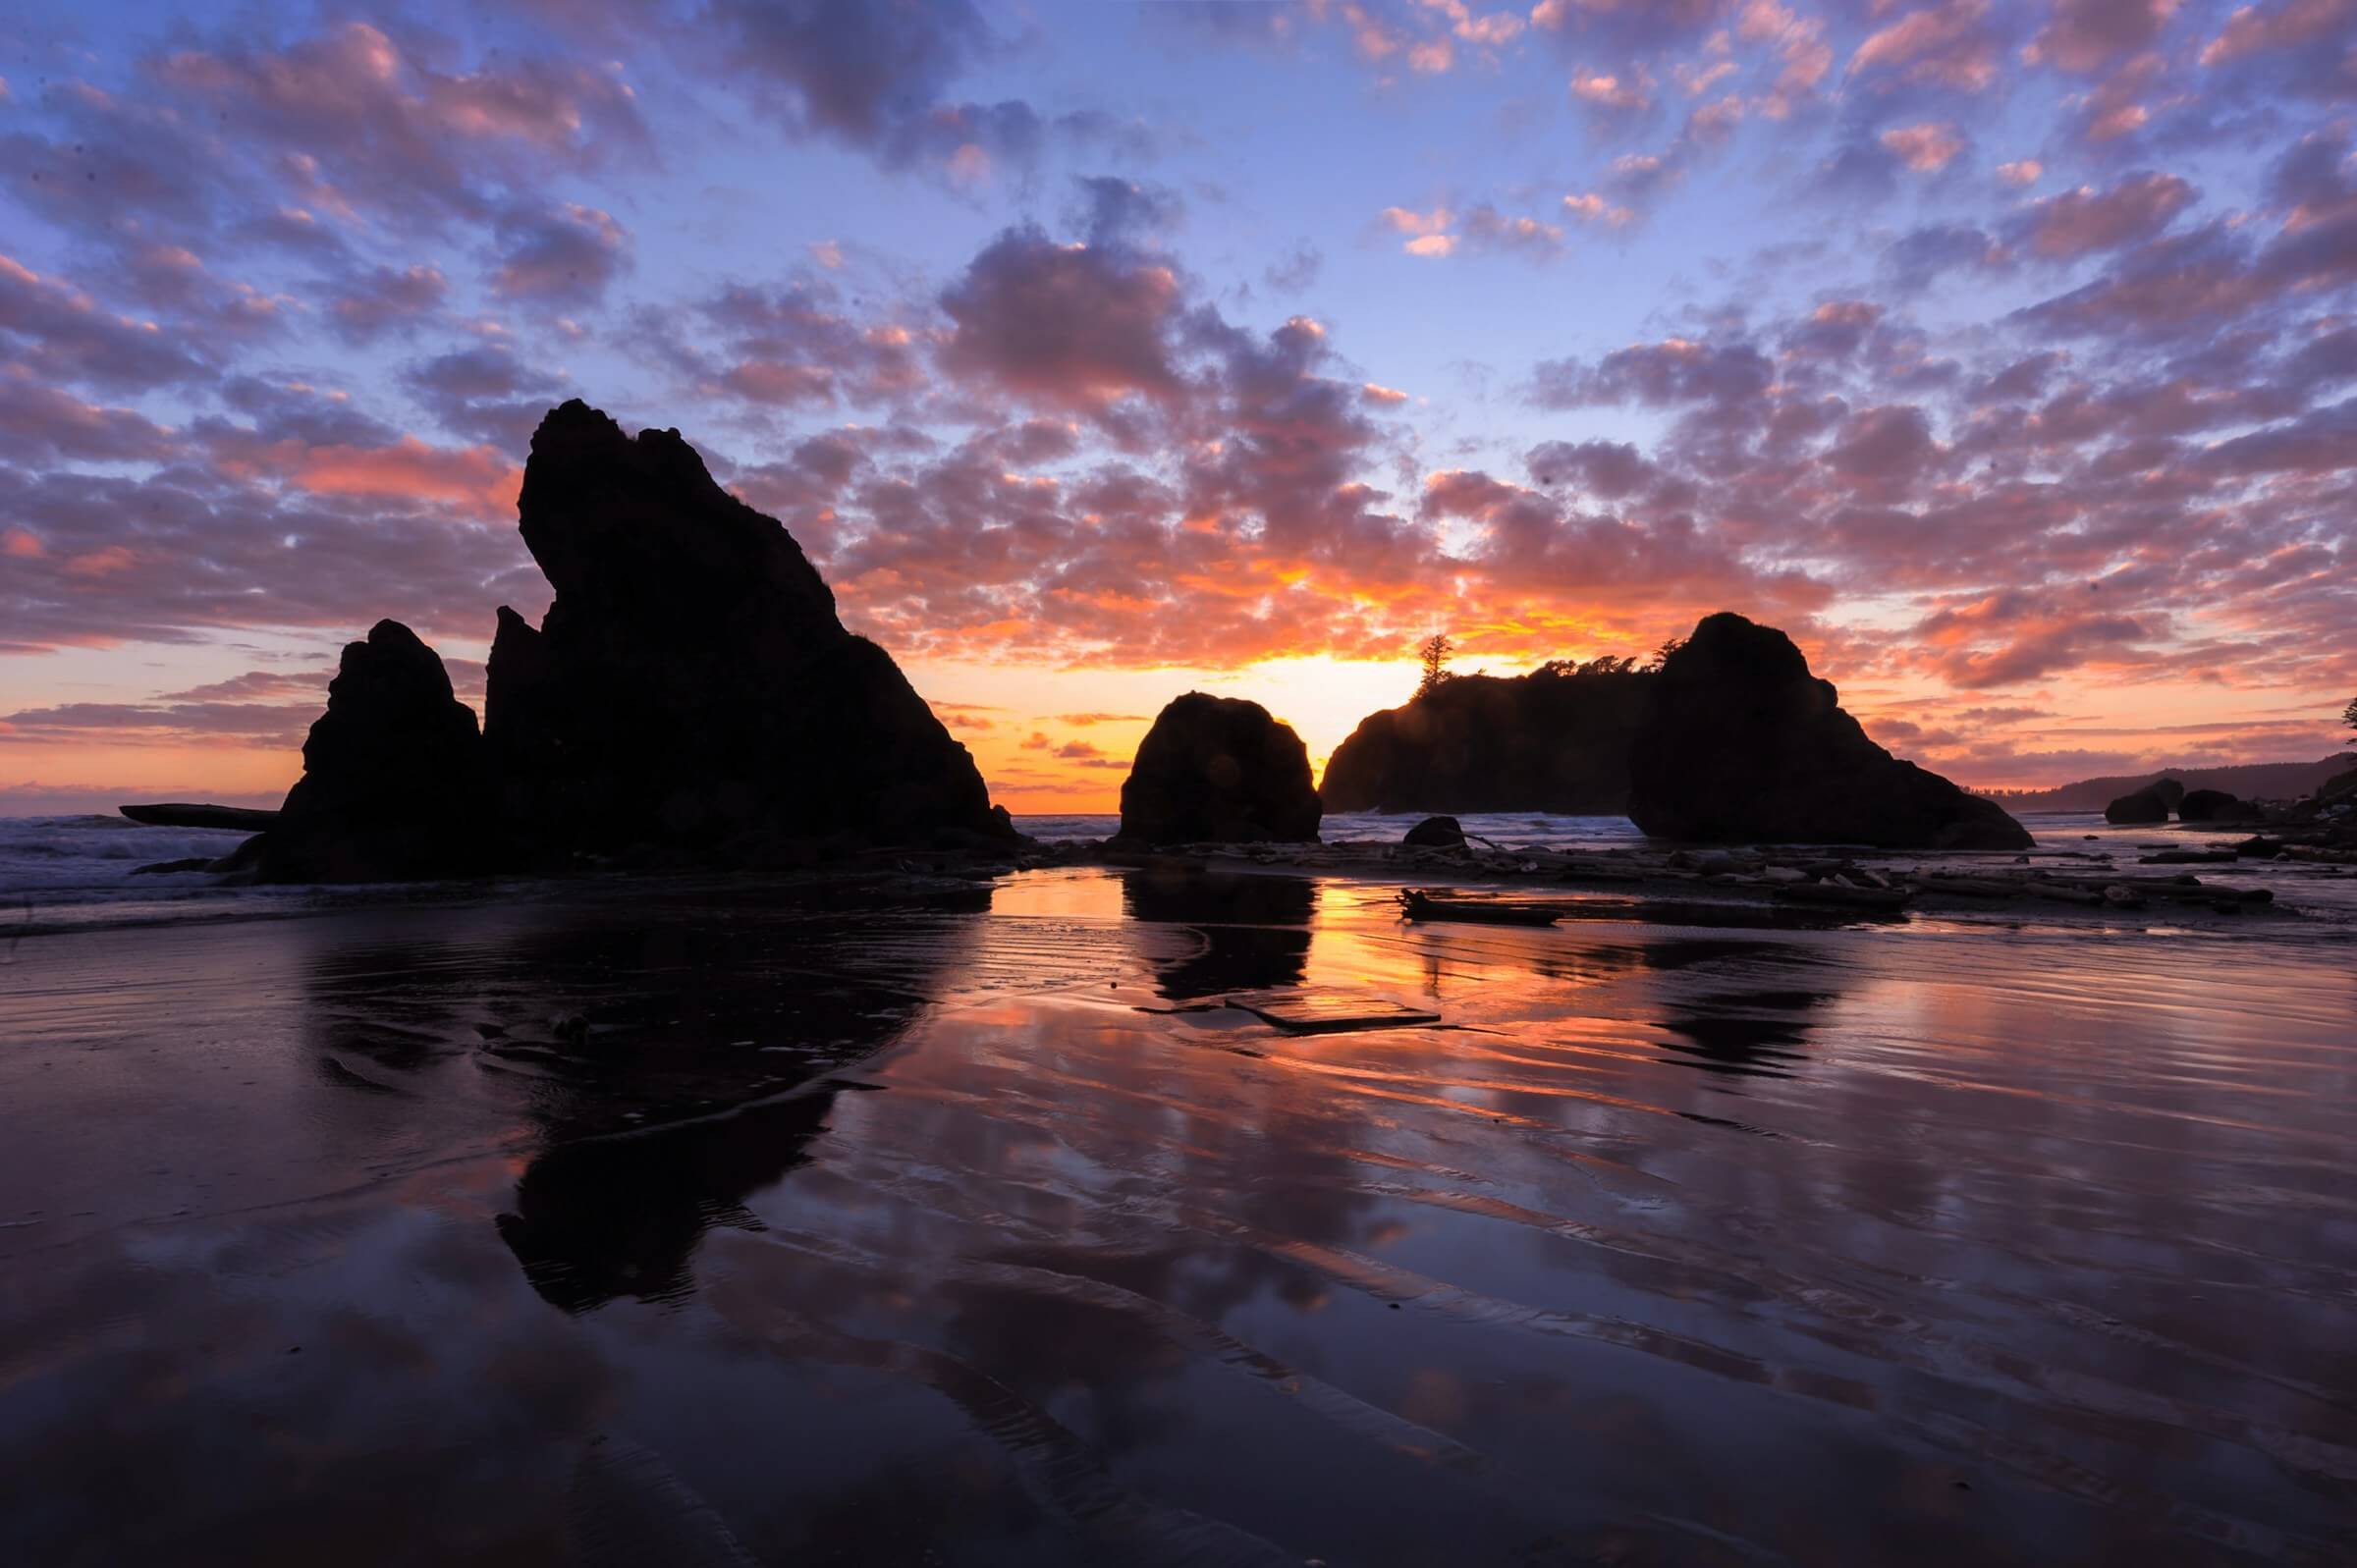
(392, 785)
(1555, 739)
(691, 686)
(1742, 744)
(1219, 770)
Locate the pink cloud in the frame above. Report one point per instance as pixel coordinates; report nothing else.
(2085, 35)
(1948, 44)
(2261, 29)
(1925, 149)
(1621, 94)
(2085, 220)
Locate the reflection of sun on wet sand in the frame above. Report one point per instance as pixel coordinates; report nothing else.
(971, 1224)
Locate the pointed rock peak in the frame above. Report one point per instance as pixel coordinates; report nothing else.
(691, 681)
(393, 662)
(391, 784)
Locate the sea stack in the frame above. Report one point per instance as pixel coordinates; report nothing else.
(392, 785)
(1219, 770)
(1555, 739)
(691, 686)
(1742, 745)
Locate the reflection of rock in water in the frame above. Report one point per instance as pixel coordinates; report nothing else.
(1744, 1033)
(696, 1000)
(1256, 928)
(621, 1214)
(1748, 1032)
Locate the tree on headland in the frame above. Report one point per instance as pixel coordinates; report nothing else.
(2348, 715)
(1603, 663)
(1434, 653)
(1661, 654)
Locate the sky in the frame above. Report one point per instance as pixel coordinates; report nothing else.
(2003, 355)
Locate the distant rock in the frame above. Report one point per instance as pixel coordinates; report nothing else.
(1219, 770)
(2143, 807)
(1742, 744)
(185, 814)
(2258, 780)
(691, 686)
(2213, 805)
(1437, 833)
(1550, 740)
(392, 786)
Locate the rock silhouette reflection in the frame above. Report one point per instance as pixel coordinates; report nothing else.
(664, 1049)
(1256, 928)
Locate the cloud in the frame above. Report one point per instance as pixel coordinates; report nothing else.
(2085, 35)
(62, 335)
(1064, 325)
(1613, 94)
(350, 121)
(2254, 30)
(485, 392)
(387, 299)
(1660, 374)
(1625, 29)
(1925, 149)
(1951, 44)
(560, 255)
(1590, 207)
(1294, 271)
(41, 425)
(783, 344)
(1126, 211)
(1479, 229)
(196, 547)
(2085, 220)
(2016, 636)
(878, 78)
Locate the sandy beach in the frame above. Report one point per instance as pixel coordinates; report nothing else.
(634, 1220)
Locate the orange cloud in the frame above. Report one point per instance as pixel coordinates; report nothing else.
(479, 479)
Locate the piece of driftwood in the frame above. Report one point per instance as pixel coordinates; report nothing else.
(1418, 904)
(186, 814)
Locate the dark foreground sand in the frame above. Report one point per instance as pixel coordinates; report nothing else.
(1924, 1242)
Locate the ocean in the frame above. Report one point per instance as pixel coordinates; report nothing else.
(71, 873)
(79, 872)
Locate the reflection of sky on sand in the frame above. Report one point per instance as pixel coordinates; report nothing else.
(1669, 1245)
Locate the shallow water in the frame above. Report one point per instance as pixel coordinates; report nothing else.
(970, 1229)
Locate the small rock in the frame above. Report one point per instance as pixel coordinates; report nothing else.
(1441, 833)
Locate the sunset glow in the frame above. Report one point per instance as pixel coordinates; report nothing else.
(1100, 352)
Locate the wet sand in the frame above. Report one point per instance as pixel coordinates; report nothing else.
(965, 1227)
